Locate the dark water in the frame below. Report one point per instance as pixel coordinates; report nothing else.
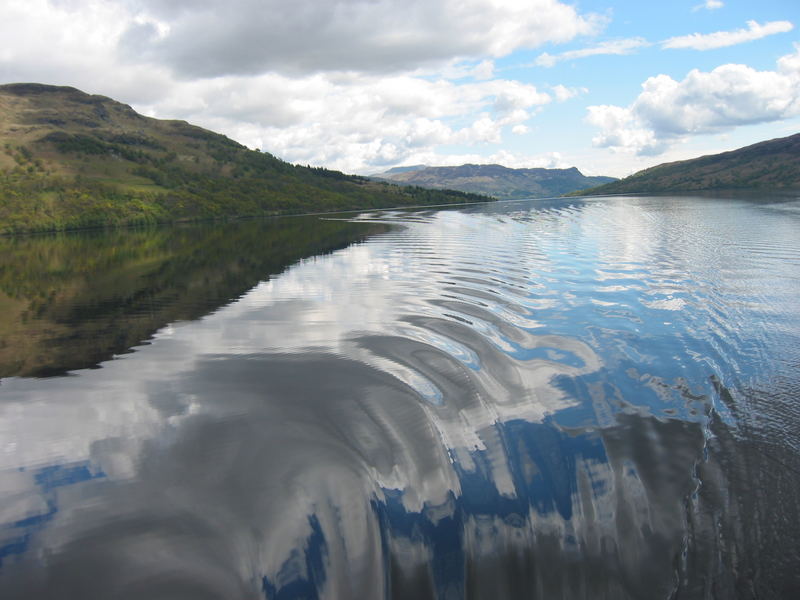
(546, 399)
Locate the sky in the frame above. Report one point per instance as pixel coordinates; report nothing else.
(608, 86)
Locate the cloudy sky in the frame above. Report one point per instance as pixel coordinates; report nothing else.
(609, 86)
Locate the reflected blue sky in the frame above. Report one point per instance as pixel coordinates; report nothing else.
(508, 400)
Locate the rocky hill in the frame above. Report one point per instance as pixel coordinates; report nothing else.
(70, 159)
(496, 180)
(774, 164)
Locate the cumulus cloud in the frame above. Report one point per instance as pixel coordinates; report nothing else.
(563, 93)
(721, 39)
(545, 160)
(625, 46)
(708, 5)
(353, 123)
(43, 42)
(668, 110)
(484, 70)
(211, 39)
(348, 84)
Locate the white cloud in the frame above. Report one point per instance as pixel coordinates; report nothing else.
(484, 70)
(460, 69)
(211, 39)
(348, 84)
(563, 93)
(620, 128)
(545, 160)
(625, 46)
(44, 42)
(352, 123)
(667, 110)
(708, 5)
(721, 39)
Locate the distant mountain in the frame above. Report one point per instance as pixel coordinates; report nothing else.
(774, 164)
(407, 169)
(496, 180)
(69, 159)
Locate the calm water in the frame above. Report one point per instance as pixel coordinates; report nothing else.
(544, 399)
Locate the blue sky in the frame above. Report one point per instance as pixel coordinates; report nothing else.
(616, 79)
(364, 85)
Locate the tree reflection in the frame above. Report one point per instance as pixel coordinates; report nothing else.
(72, 301)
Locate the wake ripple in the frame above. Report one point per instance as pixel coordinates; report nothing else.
(562, 399)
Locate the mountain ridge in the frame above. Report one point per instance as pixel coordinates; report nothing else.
(69, 160)
(498, 181)
(770, 164)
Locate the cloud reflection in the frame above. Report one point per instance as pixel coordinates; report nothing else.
(441, 411)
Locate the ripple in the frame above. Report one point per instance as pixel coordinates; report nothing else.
(557, 399)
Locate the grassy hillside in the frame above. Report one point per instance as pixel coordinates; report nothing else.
(496, 180)
(774, 164)
(69, 159)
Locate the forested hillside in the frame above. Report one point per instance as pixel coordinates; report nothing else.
(69, 159)
(774, 164)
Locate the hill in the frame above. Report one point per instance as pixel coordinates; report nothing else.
(774, 164)
(496, 180)
(69, 159)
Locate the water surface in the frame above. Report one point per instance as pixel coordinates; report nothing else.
(543, 399)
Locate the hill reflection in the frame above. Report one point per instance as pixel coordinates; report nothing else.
(572, 400)
(72, 301)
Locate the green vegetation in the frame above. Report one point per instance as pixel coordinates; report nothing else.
(72, 160)
(496, 180)
(72, 300)
(774, 164)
